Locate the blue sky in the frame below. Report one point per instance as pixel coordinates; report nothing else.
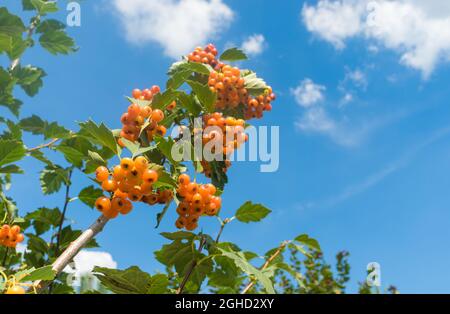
(363, 113)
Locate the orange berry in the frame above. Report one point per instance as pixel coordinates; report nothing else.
(184, 179)
(197, 198)
(109, 185)
(127, 164)
(101, 173)
(103, 203)
(157, 115)
(212, 189)
(117, 203)
(180, 223)
(20, 237)
(135, 194)
(110, 213)
(15, 229)
(150, 176)
(118, 193)
(191, 227)
(133, 111)
(161, 130)
(192, 188)
(141, 163)
(15, 290)
(119, 173)
(126, 208)
(146, 188)
(136, 93)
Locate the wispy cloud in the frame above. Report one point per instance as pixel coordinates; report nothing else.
(254, 45)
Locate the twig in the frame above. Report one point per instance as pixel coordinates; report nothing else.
(266, 264)
(35, 22)
(53, 141)
(67, 256)
(63, 215)
(61, 221)
(222, 226)
(191, 267)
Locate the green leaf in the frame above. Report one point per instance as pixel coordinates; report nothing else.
(191, 104)
(165, 146)
(36, 244)
(158, 284)
(241, 262)
(162, 100)
(160, 215)
(204, 94)
(254, 85)
(11, 151)
(18, 46)
(44, 273)
(72, 155)
(100, 134)
(250, 212)
(49, 25)
(29, 78)
(133, 147)
(44, 7)
(10, 24)
(233, 54)
(37, 126)
(89, 195)
(309, 242)
(52, 178)
(11, 169)
(43, 219)
(129, 281)
(57, 42)
(180, 72)
(179, 235)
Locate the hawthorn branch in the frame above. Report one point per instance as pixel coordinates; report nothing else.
(191, 267)
(49, 144)
(222, 226)
(63, 215)
(67, 256)
(30, 30)
(266, 264)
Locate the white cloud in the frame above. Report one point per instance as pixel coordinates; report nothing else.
(83, 264)
(254, 45)
(308, 93)
(177, 25)
(418, 30)
(357, 77)
(334, 21)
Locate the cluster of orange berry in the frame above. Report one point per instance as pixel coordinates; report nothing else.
(229, 86)
(197, 200)
(158, 197)
(135, 117)
(256, 106)
(130, 182)
(229, 132)
(10, 236)
(205, 55)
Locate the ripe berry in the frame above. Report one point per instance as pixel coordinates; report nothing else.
(157, 115)
(15, 229)
(155, 89)
(180, 223)
(119, 173)
(127, 164)
(184, 179)
(136, 93)
(101, 174)
(141, 163)
(109, 185)
(150, 176)
(15, 290)
(133, 111)
(103, 203)
(110, 213)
